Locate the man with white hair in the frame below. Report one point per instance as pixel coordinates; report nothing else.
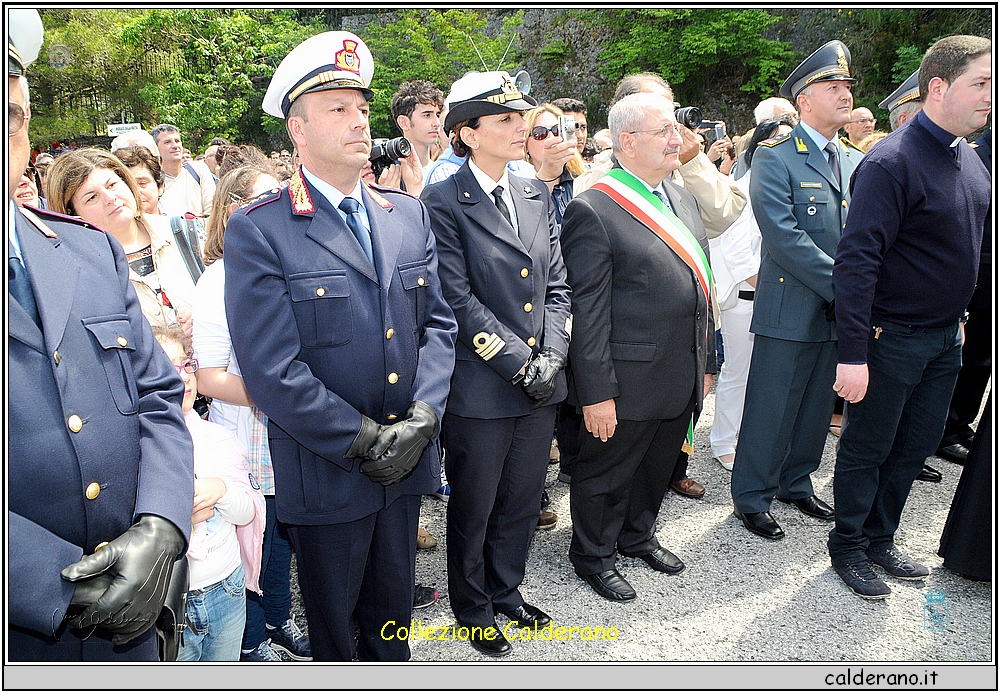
(768, 109)
(135, 138)
(640, 281)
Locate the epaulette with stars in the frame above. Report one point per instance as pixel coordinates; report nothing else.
(254, 202)
(775, 140)
(847, 143)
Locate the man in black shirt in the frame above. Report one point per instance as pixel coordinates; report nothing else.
(903, 275)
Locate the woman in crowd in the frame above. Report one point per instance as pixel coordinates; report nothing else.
(27, 190)
(735, 261)
(556, 163)
(97, 187)
(269, 625)
(502, 273)
(145, 168)
(227, 526)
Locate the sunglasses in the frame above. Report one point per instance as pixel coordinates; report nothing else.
(189, 366)
(16, 117)
(540, 132)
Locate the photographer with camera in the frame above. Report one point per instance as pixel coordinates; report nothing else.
(395, 164)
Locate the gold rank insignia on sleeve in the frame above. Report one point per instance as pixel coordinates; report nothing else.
(301, 199)
(488, 345)
(569, 325)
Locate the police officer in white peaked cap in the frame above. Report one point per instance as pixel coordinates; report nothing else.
(348, 346)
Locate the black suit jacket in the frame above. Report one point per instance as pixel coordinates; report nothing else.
(640, 317)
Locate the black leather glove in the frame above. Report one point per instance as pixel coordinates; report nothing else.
(398, 447)
(366, 438)
(89, 591)
(540, 377)
(829, 307)
(139, 561)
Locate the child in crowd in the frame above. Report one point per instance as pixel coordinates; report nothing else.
(227, 526)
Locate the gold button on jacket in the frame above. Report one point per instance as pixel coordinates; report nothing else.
(527, 307)
(75, 423)
(524, 272)
(321, 291)
(93, 490)
(531, 341)
(393, 378)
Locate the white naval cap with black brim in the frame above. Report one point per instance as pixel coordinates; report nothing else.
(24, 39)
(484, 93)
(331, 60)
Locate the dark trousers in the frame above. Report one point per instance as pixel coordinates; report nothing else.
(786, 417)
(274, 606)
(496, 468)
(889, 433)
(617, 488)
(977, 363)
(27, 646)
(568, 424)
(365, 567)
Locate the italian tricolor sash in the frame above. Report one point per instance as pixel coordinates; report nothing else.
(633, 196)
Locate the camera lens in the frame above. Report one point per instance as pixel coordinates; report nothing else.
(398, 148)
(689, 116)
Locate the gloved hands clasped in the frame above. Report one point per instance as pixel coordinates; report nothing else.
(395, 450)
(121, 587)
(540, 376)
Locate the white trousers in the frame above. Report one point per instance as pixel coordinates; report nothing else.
(737, 344)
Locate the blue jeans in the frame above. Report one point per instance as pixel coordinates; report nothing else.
(888, 434)
(275, 605)
(215, 618)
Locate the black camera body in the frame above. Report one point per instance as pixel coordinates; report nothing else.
(388, 152)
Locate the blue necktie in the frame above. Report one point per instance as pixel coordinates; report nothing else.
(19, 285)
(352, 208)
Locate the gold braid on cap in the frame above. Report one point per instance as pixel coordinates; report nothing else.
(329, 76)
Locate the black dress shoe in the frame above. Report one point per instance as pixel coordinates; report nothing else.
(955, 452)
(528, 615)
(761, 524)
(811, 506)
(496, 646)
(928, 473)
(662, 560)
(610, 585)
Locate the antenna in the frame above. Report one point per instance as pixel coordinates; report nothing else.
(477, 52)
(505, 52)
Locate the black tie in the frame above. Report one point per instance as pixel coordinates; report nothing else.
(352, 208)
(19, 285)
(834, 156)
(501, 205)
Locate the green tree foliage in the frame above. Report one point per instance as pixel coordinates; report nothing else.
(437, 46)
(226, 60)
(696, 48)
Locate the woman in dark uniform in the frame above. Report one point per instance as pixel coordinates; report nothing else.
(502, 273)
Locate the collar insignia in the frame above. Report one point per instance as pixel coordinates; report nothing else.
(301, 199)
(379, 199)
(467, 195)
(800, 146)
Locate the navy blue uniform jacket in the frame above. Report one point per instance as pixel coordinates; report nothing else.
(508, 290)
(322, 339)
(96, 432)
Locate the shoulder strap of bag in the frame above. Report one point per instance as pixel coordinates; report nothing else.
(193, 171)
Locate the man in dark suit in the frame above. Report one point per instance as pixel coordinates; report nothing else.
(100, 461)
(637, 360)
(347, 345)
(800, 197)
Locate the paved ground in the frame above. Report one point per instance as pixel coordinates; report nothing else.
(741, 598)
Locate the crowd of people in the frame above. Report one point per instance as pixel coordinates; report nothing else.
(299, 347)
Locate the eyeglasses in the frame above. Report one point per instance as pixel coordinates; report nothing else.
(863, 120)
(189, 366)
(30, 171)
(17, 116)
(666, 130)
(540, 132)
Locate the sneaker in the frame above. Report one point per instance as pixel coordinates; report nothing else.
(554, 452)
(424, 596)
(546, 520)
(443, 493)
(290, 640)
(262, 653)
(894, 562)
(861, 579)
